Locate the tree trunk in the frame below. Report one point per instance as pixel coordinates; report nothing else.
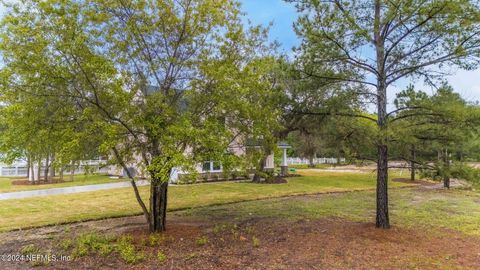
(28, 166)
(261, 167)
(158, 205)
(310, 161)
(382, 218)
(52, 168)
(412, 163)
(72, 171)
(47, 168)
(61, 173)
(446, 173)
(135, 188)
(39, 169)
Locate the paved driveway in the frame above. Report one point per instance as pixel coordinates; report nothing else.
(68, 190)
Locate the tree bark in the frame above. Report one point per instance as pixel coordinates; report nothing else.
(310, 161)
(47, 168)
(61, 173)
(29, 164)
(446, 173)
(158, 205)
(412, 163)
(72, 170)
(382, 218)
(135, 188)
(39, 169)
(261, 167)
(52, 169)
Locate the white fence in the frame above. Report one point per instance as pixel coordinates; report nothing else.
(21, 168)
(301, 161)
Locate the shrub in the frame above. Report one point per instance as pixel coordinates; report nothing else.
(250, 229)
(154, 239)
(91, 243)
(255, 242)
(202, 241)
(161, 257)
(463, 171)
(128, 252)
(457, 170)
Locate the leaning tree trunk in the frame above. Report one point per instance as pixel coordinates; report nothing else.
(158, 205)
(412, 163)
(446, 171)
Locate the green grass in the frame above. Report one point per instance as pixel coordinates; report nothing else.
(39, 211)
(425, 209)
(79, 180)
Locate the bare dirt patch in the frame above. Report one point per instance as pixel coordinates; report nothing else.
(228, 243)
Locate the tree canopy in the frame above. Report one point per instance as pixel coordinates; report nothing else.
(161, 83)
(374, 44)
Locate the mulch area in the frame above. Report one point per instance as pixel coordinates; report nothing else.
(275, 180)
(329, 243)
(27, 182)
(415, 182)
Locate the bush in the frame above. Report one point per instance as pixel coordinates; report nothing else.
(91, 243)
(128, 252)
(161, 257)
(202, 241)
(155, 239)
(255, 242)
(457, 170)
(463, 171)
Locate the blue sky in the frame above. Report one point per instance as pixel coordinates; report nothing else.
(281, 14)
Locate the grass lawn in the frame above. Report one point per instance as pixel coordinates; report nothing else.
(457, 210)
(79, 180)
(39, 211)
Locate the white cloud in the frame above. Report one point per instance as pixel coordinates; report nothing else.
(467, 83)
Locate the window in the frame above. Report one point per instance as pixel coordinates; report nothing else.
(217, 166)
(211, 166)
(206, 166)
